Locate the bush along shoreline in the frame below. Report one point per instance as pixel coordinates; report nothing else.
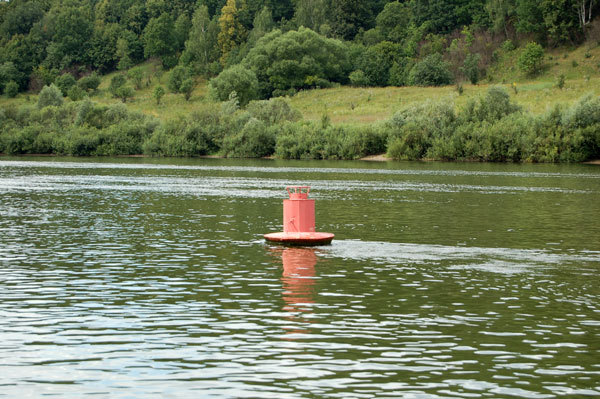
(490, 128)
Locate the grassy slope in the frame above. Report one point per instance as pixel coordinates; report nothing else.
(368, 105)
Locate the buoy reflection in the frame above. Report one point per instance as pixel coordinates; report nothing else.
(298, 278)
(298, 283)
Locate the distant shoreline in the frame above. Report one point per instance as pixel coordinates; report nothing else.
(370, 158)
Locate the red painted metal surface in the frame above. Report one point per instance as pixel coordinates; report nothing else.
(299, 220)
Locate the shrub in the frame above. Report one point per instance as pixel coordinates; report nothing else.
(412, 131)
(89, 83)
(399, 72)
(136, 75)
(313, 140)
(124, 92)
(470, 68)
(50, 95)
(494, 105)
(300, 140)
(115, 82)
(358, 78)
(78, 141)
(124, 138)
(273, 111)
(187, 87)
(411, 145)
(236, 79)
(185, 137)
(431, 71)
(75, 93)
(64, 82)
(158, 94)
(255, 140)
(531, 58)
(11, 89)
(560, 82)
(177, 76)
(586, 112)
(508, 45)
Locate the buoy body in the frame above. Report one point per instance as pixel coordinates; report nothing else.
(299, 220)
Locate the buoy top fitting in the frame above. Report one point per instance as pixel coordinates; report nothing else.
(298, 192)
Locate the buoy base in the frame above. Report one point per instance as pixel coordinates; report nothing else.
(300, 238)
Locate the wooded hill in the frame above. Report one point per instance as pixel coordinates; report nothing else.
(265, 48)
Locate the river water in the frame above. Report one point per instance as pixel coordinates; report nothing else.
(149, 278)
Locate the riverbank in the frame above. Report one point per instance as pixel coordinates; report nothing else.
(490, 128)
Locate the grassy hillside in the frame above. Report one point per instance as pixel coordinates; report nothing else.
(580, 67)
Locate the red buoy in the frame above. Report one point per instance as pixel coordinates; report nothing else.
(299, 220)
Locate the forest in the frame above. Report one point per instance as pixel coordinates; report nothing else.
(256, 50)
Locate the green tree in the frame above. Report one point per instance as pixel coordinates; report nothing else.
(8, 73)
(124, 92)
(213, 6)
(103, 53)
(263, 24)
(311, 14)
(201, 48)
(182, 27)
(444, 16)
(393, 21)
(531, 59)
(135, 18)
(236, 79)
(376, 62)
(159, 38)
(349, 16)
(470, 68)
(122, 54)
(24, 53)
(529, 16)
(75, 93)
(70, 26)
(561, 22)
(502, 15)
(20, 18)
(284, 62)
(281, 9)
(431, 71)
(176, 78)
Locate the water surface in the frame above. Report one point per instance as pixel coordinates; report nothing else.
(149, 278)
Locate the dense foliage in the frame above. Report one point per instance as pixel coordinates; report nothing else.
(489, 128)
(289, 45)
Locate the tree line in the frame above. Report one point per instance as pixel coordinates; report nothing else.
(265, 48)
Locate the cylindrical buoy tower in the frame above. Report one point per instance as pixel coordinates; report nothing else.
(299, 220)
